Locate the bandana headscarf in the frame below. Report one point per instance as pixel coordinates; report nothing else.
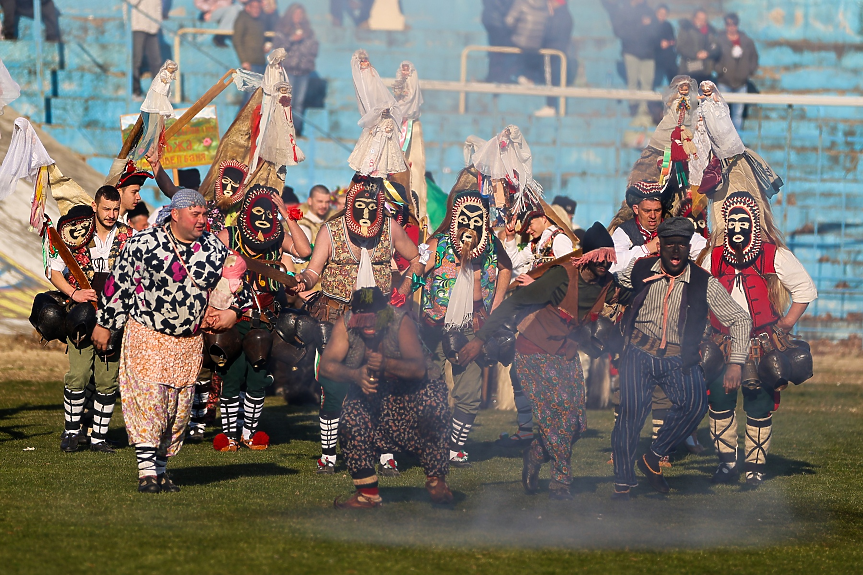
(77, 227)
(259, 225)
(742, 229)
(364, 213)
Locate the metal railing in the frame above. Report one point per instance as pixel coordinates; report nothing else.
(545, 52)
(178, 39)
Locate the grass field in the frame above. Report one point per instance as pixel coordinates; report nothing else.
(267, 512)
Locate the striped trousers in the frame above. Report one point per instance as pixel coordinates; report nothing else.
(640, 373)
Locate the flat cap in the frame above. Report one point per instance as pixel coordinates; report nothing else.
(676, 227)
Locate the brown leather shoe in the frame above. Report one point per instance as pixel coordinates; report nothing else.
(357, 501)
(438, 490)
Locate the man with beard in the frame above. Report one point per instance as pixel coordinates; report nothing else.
(547, 365)
(353, 251)
(376, 350)
(466, 280)
(662, 329)
(159, 290)
(95, 240)
(317, 209)
(758, 272)
(257, 235)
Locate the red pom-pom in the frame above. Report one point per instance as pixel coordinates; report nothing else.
(295, 213)
(260, 438)
(397, 299)
(220, 442)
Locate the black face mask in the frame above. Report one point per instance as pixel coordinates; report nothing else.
(261, 216)
(364, 209)
(738, 228)
(471, 217)
(231, 180)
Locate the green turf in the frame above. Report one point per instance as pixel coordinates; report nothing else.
(263, 512)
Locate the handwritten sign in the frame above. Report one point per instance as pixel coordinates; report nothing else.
(194, 145)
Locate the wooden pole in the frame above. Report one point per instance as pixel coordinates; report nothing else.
(193, 110)
(132, 140)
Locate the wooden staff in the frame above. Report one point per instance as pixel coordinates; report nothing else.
(203, 101)
(539, 270)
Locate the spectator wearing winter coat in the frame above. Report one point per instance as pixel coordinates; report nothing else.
(527, 20)
(500, 66)
(298, 39)
(666, 51)
(698, 47)
(249, 39)
(636, 26)
(146, 22)
(738, 61)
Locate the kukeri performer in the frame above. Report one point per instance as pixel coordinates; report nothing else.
(466, 280)
(755, 267)
(663, 328)
(353, 250)
(546, 360)
(159, 290)
(258, 235)
(95, 239)
(376, 350)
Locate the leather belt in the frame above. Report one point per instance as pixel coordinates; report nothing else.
(650, 344)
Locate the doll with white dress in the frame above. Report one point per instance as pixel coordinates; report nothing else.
(155, 109)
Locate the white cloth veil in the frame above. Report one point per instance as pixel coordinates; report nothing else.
(407, 91)
(372, 95)
(724, 138)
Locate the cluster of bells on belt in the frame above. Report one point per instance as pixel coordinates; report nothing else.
(55, 316)
(773, 372)
(299, 333)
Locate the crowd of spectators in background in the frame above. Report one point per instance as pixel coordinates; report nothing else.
(652, 55)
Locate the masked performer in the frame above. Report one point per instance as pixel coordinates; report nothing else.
(95, 240)
(466, 280)
(159, 290)
(547, 365)
(671, 143)
(663, 328)
(352, 251)
(375, 349)
(758, 272)
(155, 109)
(258, 235)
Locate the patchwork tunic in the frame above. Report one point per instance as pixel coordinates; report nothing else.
(160, 294)
(406, 415)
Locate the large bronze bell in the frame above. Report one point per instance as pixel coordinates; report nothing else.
(453, 341)
(223, 347)
(774, 370)
(256, 345)
(80, 322)
(712, 360)
(800, 357)
(749, 376)
(48, 315)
